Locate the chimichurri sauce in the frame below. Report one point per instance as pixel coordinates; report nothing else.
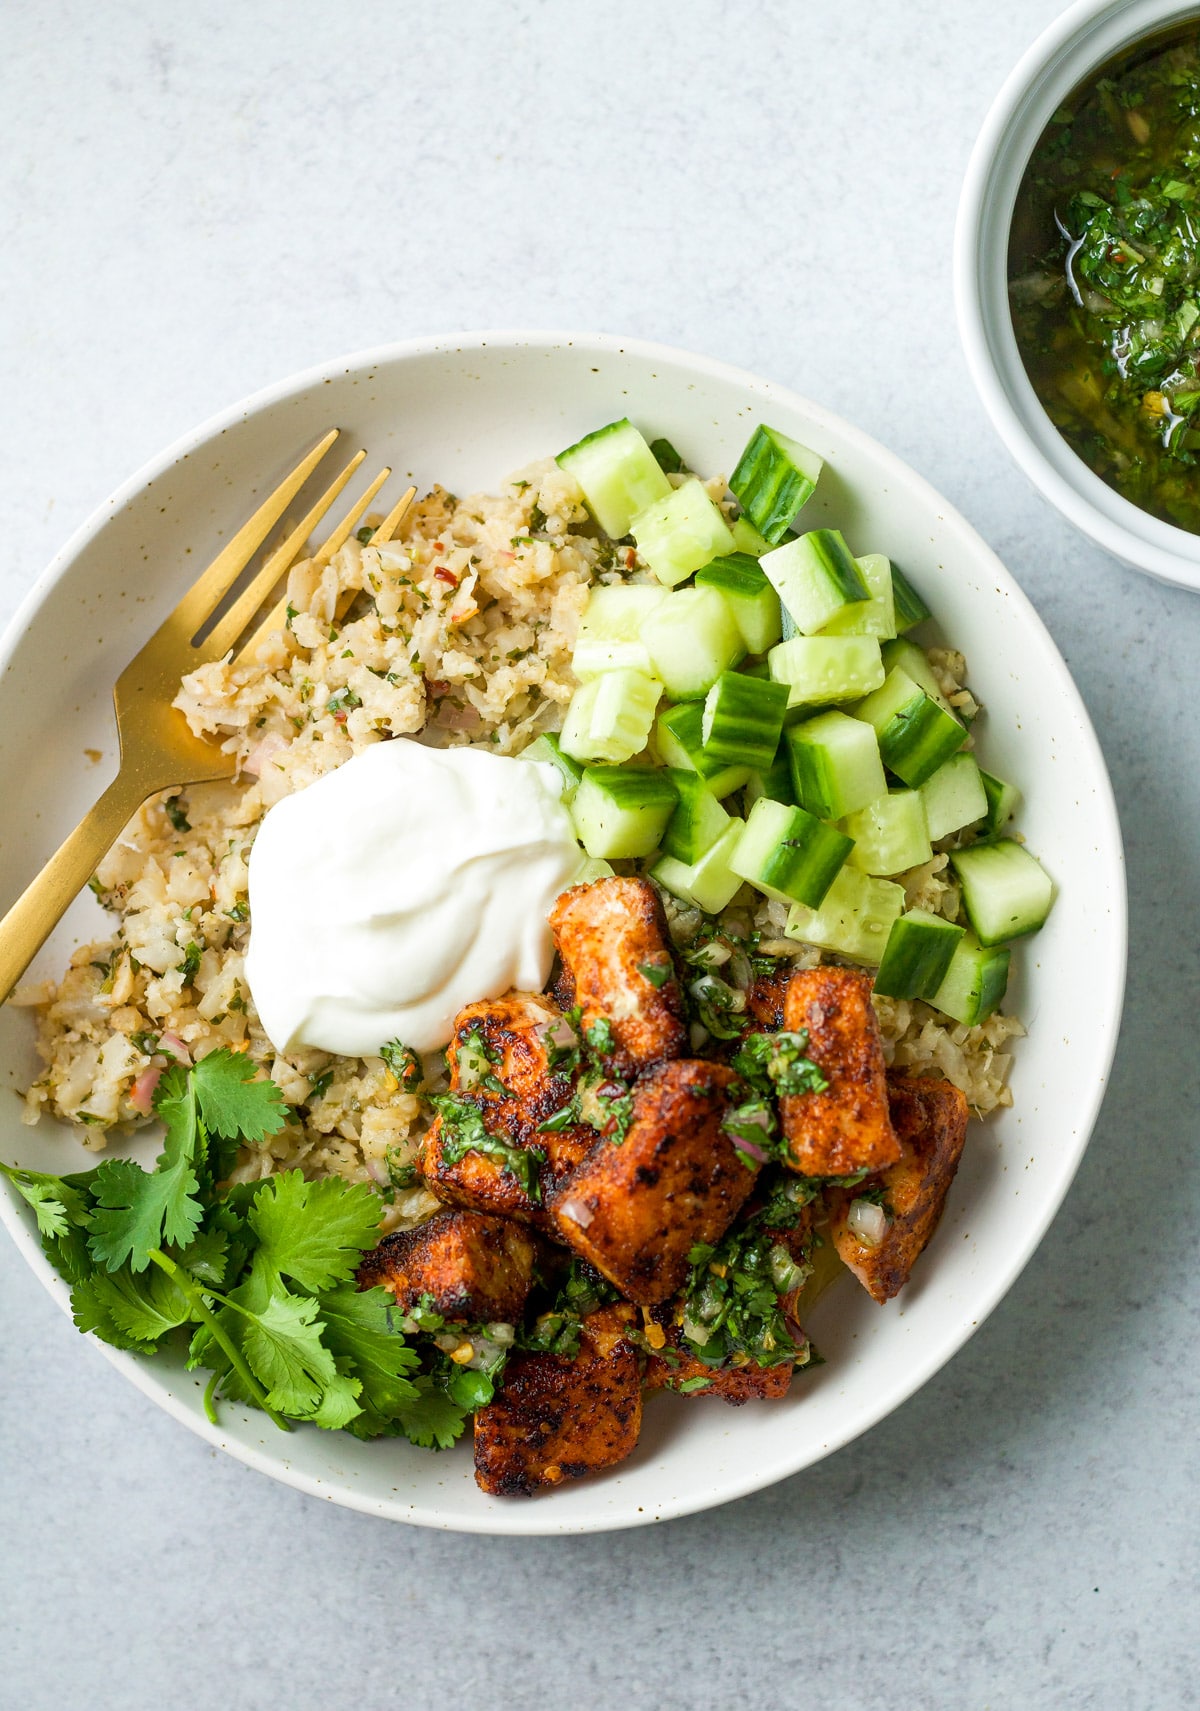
(1104, 276)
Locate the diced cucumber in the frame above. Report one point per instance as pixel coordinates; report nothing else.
(617, 473)
(788, 853)
(622, 811)
(691, 639)
(1003, 800)
(679, 739)
(743, 719)
(974, 983)
(823, 669)
(1006, 891)
(815, 577)
(698, 820)
(954, 796)
(680, 533)
(918, 952)
(710, 883)
(548, 751)
(746, 537)
(915, 662)
(873, 617)
(754, 604)
(667, 458)
(592, 869)
(609, 634)
(773, 478)
(910, 609)
(916, 735)
(890, 834)
(835, 764)
(775, 781)
(853, 918)
(609, 718)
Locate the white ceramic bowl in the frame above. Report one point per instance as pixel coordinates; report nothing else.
(465, 411)
(1086, 36)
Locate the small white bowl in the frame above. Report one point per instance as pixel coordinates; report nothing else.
(1086, 36)
(466, 410)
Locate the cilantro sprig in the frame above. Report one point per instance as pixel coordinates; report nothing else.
(259, 1278)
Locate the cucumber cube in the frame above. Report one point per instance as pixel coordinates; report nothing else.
(774, 476)
(610, 631)
(822, 669)
(914, 661)
(610, 717)
(974, 983)
(679, 739)
(747, 539)
(1006, 891)
(835, 765)
(622, 811)
(743, 719)
(917, 955)
(890, 834)
(815, 577)
(853, 918)
(547, 750)
(698, 820)
(910, 609)
(749, 596)
(775, 781)
(873, 617)
(617, 473)
(915, 734)
(709, 883)
(788, 853)
(681, 533)
(691, 639)
(1003, 800)
(953, 796)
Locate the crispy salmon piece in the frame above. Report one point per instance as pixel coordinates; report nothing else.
(634, 1207)
(766, 998)
(474, 1268)
(732, 1384)
(847, 1127)
(930, 1120)
(609, 933)
(556, 1419)
(499, 1059)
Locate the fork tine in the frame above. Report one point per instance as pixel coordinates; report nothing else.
(276, 618)
(394, 518)
(341, 534)
(211, 587)
(224, 634)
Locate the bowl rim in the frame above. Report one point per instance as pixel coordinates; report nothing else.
(538, 1519)
(1014, 121)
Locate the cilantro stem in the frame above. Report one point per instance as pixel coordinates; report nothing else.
(210, 1391)
(185, 1282)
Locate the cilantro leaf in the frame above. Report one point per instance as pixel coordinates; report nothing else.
(232, 1103)
(136, 1211)
(432, 1420)
(314, 1232)
(359, 1330)
(281, 1340)
(57, 1205)
(129, 1310)
(339, 1405)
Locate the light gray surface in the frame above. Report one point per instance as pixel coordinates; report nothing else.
(199, 200)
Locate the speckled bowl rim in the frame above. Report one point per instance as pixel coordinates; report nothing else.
(540, 1518)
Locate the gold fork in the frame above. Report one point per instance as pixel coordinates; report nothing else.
(158, 750)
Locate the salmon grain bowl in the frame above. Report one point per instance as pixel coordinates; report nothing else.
(586, 987)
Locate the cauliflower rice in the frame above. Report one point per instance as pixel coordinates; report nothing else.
(460, 630)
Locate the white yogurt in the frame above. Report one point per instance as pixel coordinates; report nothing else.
(408, 882)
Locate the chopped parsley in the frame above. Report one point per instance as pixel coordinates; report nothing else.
(404, 1064)
(776, 1063)
(463, 1132)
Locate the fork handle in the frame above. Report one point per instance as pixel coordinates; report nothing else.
(44, 902)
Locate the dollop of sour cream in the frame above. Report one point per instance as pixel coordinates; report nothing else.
(396, 889)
